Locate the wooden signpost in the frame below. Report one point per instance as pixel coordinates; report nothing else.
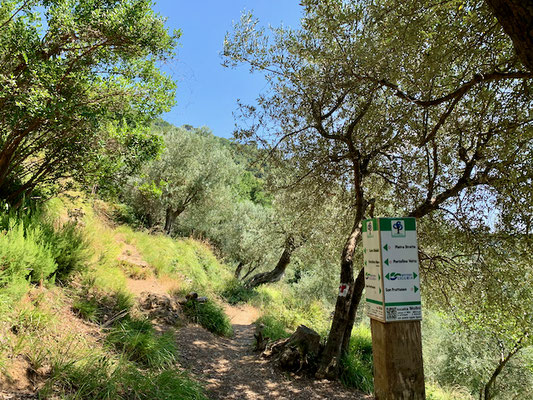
(393, 304)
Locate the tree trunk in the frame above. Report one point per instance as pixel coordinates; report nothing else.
(342, 323)
(238, 270)
(277, 273)
(168, 220)
(170, 217)
(354, 305)
(516, 19)
(251, 269)
(486, 392)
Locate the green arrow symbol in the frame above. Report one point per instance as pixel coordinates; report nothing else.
(379, 277)
(414, 275)
(364, 250)
(386, 247)
(386, 261)
(387, 276)
(379, 290)
(416, 289)
(366, 262)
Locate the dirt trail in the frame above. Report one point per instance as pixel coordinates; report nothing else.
(231, 370)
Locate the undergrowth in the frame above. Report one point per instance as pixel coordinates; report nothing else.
(189, 261)
(235, 292)
(137, 340)
(210, 315)
(357, 365)
(103, 378)
(36, 245)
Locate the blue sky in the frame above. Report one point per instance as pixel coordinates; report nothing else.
(207, 93)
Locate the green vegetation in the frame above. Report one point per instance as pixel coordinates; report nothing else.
(425, 125)
(357, 363)
(136, 361)
(137, 341)
(371, 108)
(235, 292)
(210, 315)
(65, 106)
(104, 379)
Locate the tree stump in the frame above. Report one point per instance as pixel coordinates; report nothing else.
(297, 352)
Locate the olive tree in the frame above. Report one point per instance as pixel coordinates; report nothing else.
(192, 169)
(407, 105)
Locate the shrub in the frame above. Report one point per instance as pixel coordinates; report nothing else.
(235, 292)
(37, 247)
(23, 253)
(210, 315)
(68, 246)
(137, 339)
(125, 214)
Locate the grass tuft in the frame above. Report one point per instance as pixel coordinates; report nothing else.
(357, 365)
(101, 378)
(235, 292)
(137, 340)
(210, 315)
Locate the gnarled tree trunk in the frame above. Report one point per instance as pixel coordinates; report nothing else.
(170, 218)
(238, 270)
(344, 313)
(516, 19)
(277, 273)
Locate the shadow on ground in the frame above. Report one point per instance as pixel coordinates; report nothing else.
(231, 370)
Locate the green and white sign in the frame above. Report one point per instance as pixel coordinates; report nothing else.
(392, 279)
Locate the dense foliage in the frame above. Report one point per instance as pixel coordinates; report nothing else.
(69, 70)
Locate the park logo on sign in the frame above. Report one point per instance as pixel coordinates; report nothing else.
(369, 229)
(397, 228)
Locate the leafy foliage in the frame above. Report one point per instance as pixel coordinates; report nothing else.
(71, 68)
(413, 108)
(192, 170)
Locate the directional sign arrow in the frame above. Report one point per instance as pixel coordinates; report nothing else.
(414, 275)
(386, 261)
(416, 289)
(379, 290)
(386, 247)
(364, 250)
(379, 277)
(387, 276)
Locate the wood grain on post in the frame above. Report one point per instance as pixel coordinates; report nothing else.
(398, 365)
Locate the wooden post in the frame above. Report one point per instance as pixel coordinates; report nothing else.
(392, 284)
(398, 365)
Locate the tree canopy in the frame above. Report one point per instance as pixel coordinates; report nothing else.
(192, 169)
(69, 68)
(415, 107)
